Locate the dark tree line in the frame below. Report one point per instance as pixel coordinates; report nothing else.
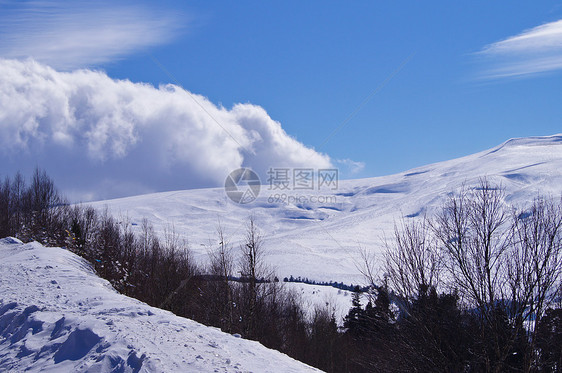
(31, 210)
(337, 285)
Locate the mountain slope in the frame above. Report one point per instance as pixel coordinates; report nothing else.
(322, 240)
(57, 315)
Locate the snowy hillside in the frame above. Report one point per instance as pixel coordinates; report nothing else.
(56, 315)
(322, 241)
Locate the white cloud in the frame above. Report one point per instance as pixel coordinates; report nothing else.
(69, 35)
(104, 137)
(351, 166)
(533, 51)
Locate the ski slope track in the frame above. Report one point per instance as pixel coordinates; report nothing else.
(322, 241)
(56, 315)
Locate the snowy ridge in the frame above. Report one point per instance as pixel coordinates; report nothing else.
(322, 240)
(56, 315)
(530, 141)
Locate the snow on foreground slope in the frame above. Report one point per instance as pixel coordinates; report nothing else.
(56, 315)
(322, 241)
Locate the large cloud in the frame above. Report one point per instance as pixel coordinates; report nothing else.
(102, 138)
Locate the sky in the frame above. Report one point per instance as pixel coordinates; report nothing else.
(121, 98)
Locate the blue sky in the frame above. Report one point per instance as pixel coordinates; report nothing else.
(444, 79)
(310, 64)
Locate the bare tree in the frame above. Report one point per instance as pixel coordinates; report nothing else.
(18, 197)
(221, 266)
(175, 269)
(413, 266)
(82, 221)
(473, 230)
(256, 276)
(412, 260)
(6, 205)
(535, 264)
(221, 259)
(45, 203)
(250, 268)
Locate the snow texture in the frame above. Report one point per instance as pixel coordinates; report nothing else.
(56, 315)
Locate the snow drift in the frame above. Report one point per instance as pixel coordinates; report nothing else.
(57, 315)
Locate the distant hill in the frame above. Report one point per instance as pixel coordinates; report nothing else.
(320, 237)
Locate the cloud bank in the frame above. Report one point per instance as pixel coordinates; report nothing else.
(533, 51)
(68, 35)
(101, 137)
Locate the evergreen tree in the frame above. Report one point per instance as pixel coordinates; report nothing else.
(549, 341)
(352, 321)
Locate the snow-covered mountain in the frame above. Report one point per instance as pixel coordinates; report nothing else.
(56, 315)
(322, 240)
